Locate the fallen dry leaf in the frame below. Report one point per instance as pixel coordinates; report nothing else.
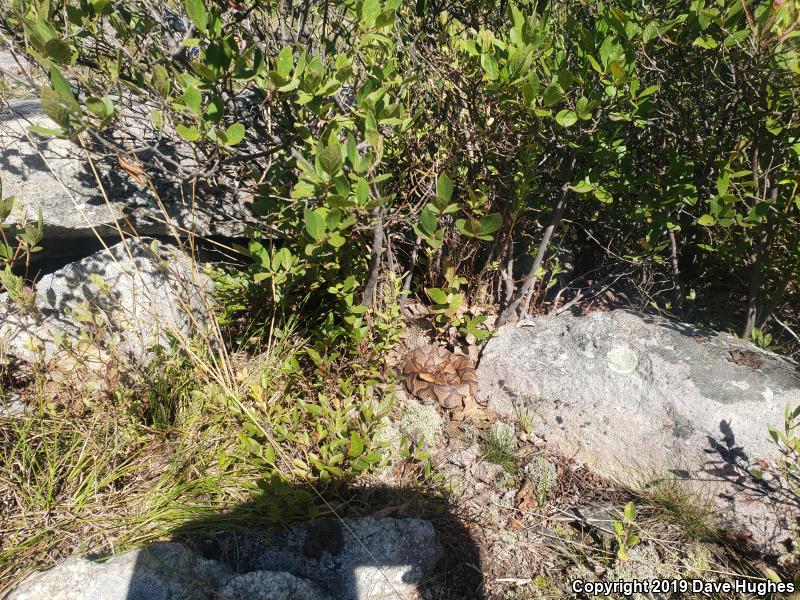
(131, 169)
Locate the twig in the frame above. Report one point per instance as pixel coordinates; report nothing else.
(377, 249)
(407, 283)
(676, 272)
(530, 280)
(786, 327)
(600, 286)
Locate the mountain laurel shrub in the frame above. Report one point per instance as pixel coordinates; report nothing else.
(458, 147)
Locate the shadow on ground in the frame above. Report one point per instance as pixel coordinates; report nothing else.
(363, 543)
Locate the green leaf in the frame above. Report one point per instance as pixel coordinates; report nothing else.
(103, 7)
(370, 10)
(291, 86)
(161, 81)
(6, 206)
(303, 189)
(330, 159)
(157, 118)
(650, 32)
(707, 220)
(234, 134)
(552, 95)
(373, 457)
(53, 106)
(773, 126)
(595, 65)
(62, 87)
(193, 99)
(583, 108)
(215, 109)
(630, 512)
(58, 50)
(649, 91)
(196, 10)
(489, 64)
(386, 18)
(47, 131)
(315, 224)
(469, 227)
(242, 72)
(283, 64)
(102, 107)
(218, 56)
(362, 191)
(356, 445)
(444, 190)
(706, 42)
(723, 183)
(584, 186)
(75, 15)
(603, 195)
(437, 295)
(566, 118)
(428, 221)
(188, 132)
(617, 72)
(336, 240)
(490, 224)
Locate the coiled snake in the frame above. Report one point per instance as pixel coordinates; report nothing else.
(435, 374)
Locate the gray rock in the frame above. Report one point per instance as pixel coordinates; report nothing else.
(486, 472)
(271, 585)
(352, 559)
(125, 298)
(640, 398)
(162, 571)
(9, 65)
(12, 406)
(166, 571)
(53, 175)
(599, 516)
(462, 457)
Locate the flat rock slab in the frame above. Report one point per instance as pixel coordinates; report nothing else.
(55, 177)
(351, 559)
(640, 398)
(124, 299)
(166, 571)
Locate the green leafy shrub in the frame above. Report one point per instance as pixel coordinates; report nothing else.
(376, 138)
(788, 444)
(16, 246)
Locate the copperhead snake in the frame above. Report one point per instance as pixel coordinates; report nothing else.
(435, 374)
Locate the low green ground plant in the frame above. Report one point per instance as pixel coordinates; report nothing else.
(181, 444)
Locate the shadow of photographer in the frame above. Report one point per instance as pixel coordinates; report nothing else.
(363, 543)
